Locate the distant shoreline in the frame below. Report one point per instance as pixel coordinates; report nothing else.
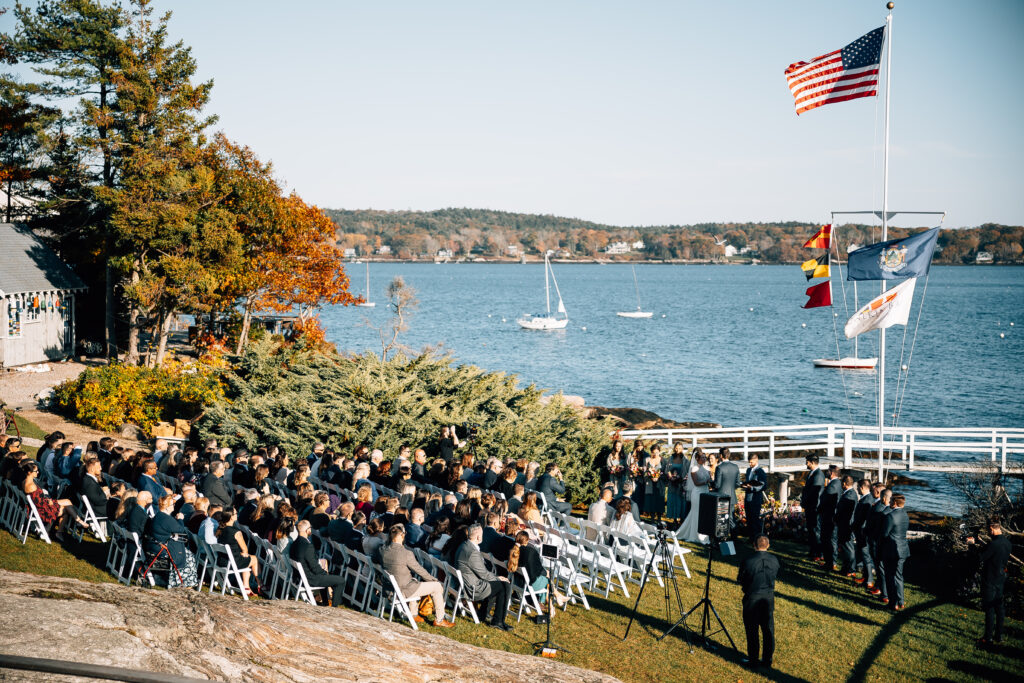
(655, 262)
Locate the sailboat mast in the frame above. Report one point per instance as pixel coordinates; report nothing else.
(885, 236)
(367, 279)
(637, 285)
(856, 307)
(547, 288)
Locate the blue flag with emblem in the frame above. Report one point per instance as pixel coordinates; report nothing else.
(895, 259)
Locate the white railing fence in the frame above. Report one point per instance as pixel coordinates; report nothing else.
(780, 447)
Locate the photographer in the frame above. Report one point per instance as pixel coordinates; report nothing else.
(447, 444)
(994, 557)
(550, 484)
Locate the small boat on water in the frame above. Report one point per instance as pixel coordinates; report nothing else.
(546, 321)
(366, 303)
(848, 363)
(639, 312)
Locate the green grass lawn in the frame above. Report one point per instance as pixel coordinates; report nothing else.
(826, 628)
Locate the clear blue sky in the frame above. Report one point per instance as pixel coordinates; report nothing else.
(624, 113)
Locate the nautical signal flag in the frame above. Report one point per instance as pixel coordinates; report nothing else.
(820, 295)
(816, 267)
(895, 259)
(885, 310)
(838, 76)
(821, 240)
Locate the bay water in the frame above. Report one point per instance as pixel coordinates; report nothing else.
(727, 344)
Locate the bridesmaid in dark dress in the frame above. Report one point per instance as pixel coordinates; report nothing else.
(637, 461)
(615, 466)
(656, 483)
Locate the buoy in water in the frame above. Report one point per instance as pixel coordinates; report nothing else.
(662, 315)
(488, 315)
(502, 320)
(751, 309)
(584, 329)
(803, 324)
(904, 368)
(1002, 336)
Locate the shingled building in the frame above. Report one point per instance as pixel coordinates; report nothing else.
(37, 300)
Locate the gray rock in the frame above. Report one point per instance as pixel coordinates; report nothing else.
(194, 634)
(129, 431)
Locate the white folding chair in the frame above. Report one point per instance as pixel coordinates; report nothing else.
(359, 583)
(98, 525)
(679, 551)
(225, 571)
(600, 563)
(303, 591)
(124, 554)
(31, 518)
(393, 594)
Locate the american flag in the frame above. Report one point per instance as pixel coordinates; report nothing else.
(838, 76)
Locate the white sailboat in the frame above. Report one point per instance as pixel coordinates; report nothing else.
(546, 321)
(366, 303)
(639, 312)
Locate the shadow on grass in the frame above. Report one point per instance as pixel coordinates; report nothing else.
(824, 609)
(885, 634)
(980, 671)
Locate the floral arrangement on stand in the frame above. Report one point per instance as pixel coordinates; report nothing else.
(782, 520)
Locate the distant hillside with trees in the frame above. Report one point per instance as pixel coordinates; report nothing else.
(483, 233)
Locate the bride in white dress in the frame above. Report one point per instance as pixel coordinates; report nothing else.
(696, 484)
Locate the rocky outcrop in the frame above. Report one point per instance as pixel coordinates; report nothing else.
(637, 418)
(207, 636)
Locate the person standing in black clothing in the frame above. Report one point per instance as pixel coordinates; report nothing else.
(845, 509)
(873, 534)
(809, 498)
(757, 578)
(447, 444)
(994, 557)
(827, 514)
(895, 550)
(868, 497)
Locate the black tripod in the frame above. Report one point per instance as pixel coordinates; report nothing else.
(664, 553)
(548, 648)
(709, 608)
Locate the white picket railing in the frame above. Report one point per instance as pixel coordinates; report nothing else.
(903, 446)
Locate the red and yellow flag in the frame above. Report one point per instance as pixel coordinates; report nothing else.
(816, 267)
(822, 239)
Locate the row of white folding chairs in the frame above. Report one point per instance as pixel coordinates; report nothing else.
(19, 515)
(598, 561)
(634, 551)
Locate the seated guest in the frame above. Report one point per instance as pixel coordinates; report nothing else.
(301, 551)
(600, 511)
(481, 584)
(92, 488)
(419, 467)
(501, 546)
(400, 562)
(374, 538)
(122, 466)
(230, 536)
(506, 484)
(524, 555)
(446, 511)
(463, 513)
(361, 476)
(340, 527)
(12, 462)
(491, 532)
(49, 510)
(531, 476)
(493, 474)
(515, 501)
(186, 503)
(550, 484)
(114, 500)
(214, 486)
(202, 505)
(355, 537)
(208, 529)
(438, 537)
(364, 500)
(139, 514)
(319, 518)
(124, 508)
(166, 531)
(147, 481)
(529, 511)
(414, 532)
(261, 479)
(624, 522)
(628, 487)
(252, 501)
(262, 521)
(287, 527)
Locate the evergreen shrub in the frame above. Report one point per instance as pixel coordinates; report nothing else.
(295, 396)
(109, 396)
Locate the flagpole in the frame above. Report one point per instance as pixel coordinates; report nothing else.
(885, 236)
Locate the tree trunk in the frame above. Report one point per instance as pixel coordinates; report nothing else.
(110, 304)
(164, 331)
(135, 322)
(243, 335)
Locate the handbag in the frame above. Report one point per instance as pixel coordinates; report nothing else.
(426, 606)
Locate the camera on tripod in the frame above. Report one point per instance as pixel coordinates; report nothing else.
(469, 430)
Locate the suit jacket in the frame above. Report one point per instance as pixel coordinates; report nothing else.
(550, 487)
(490, 535)
(894, 543)
(136, 521)
(813, 487)
(829, 500)
(759, 478)
(419, 473)
(873, 527)
(94, 492)
(301, 550)
(414, 535)
(490, 478)
(727, 479)
(150, 484)
(860, 516)
(216, 489)
(757, 575)
(845, 509)
(470, 562)
(401, 562)
(600, 512)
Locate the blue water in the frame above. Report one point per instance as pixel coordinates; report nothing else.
(726, 344)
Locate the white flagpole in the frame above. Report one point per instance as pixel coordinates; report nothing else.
(885, 236)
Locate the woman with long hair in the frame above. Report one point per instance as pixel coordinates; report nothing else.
(524, 555)
(615, 466)
(49, 510)
(286, 531)
(529, 510)
(675, 473)
(231, 536)
(655, 484)
(363, 500)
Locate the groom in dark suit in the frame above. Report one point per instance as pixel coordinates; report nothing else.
(727, 480)
(755, 481)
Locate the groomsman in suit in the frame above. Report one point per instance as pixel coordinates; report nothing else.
(845, 509)
(755, 481)
(809, 499)
(727, 480)
(873, 533)
(895, 550)
(827, 513)
(868, 497)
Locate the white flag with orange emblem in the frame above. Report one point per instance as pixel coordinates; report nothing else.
(885, 310)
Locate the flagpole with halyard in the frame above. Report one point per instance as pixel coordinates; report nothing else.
(885, 236)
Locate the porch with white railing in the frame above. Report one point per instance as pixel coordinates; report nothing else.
(782, 448)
